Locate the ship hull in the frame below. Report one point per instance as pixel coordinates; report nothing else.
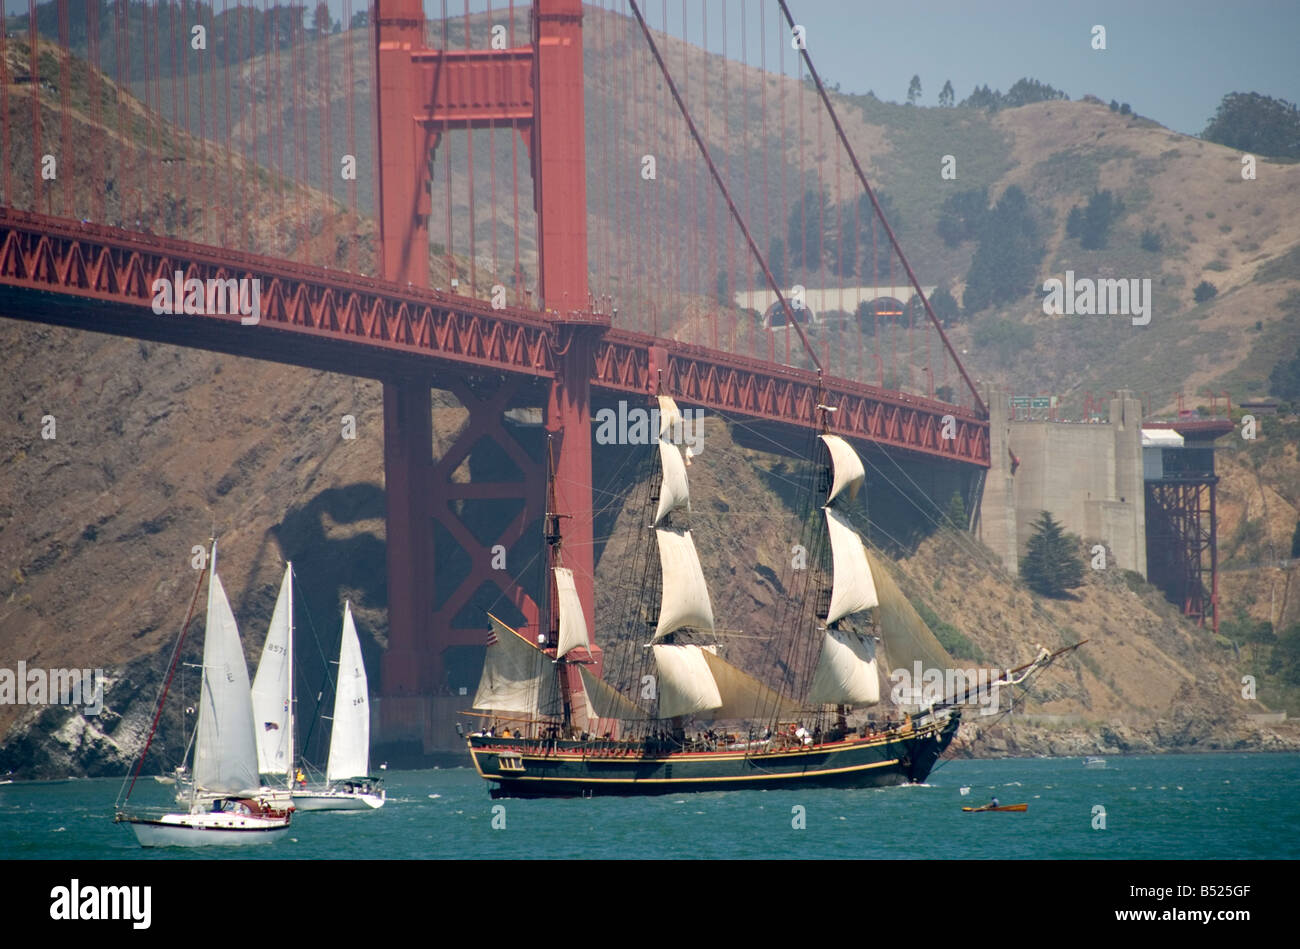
(525, 768)
(331, 800)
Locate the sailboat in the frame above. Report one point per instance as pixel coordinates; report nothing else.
(227, 803)
(349, 786)
(645, 730)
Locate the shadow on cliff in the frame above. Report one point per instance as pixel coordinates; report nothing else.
(334, 561)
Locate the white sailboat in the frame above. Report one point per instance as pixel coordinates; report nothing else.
(348, 783)
(227, 803)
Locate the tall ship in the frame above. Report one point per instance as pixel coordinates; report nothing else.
(671, 713)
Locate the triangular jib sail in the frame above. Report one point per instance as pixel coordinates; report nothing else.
(350, 740)
(272, 687)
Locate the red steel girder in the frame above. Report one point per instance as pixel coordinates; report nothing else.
(351, 314)
(475, 88)
(105, 264)
(736, 385)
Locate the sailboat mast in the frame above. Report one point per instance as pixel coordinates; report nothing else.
(554, 544)
(288, 712)
(203, 673)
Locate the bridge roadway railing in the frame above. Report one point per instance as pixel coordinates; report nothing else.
(348, 323)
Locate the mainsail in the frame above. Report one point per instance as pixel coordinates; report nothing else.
(846, 670)
(350, 740)
(685, 683)
(272, 712)
(225, 755)
(517, 676)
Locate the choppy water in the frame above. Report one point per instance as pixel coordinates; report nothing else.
(1234, 806)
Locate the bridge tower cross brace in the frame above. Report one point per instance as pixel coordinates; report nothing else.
(421, 94)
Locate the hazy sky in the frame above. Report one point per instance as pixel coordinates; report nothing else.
(1172, 60)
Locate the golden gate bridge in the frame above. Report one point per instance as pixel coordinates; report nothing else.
(229, 142)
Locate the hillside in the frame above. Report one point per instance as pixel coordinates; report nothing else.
(158, 446)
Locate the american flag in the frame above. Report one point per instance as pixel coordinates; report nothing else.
(492, 636)
(271, 726)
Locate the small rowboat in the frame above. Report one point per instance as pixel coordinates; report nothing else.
(1004, 807)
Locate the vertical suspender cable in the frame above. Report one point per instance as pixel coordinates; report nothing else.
(65, 109)
(38, 183)
(349, 74)
(469, 166)
(5, 159)
(979, 402)
(514, 173)
(713, 170)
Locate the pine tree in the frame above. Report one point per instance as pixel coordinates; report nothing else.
(1051, 564)
(946, 95)
(957, 516)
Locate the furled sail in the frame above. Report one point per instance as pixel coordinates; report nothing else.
(847, 467)
(685, 683)
(742, 695)
(853, 588)
(272, 712)
(685, 599)
(674, 492)
(906, 636)
(225, 755)
(846, 671)
(350, 740)
(517, 676)
(607, 702)
(573, 624)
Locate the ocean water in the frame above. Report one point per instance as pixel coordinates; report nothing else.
(1225, 806)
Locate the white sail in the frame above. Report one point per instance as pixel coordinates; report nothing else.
(350, 739)
(670, 417)
(272, 698)
(853, 589)
(846, 671)
(685, 683)
(674, 490)
(742, 695)
(225, 754)
(605, 701)
(517, 676)
(573, 624)
(685, 600)
(847, 468)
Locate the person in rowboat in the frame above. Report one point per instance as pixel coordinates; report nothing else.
(995, 803)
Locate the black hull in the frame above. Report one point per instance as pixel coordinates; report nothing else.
(530, 769)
